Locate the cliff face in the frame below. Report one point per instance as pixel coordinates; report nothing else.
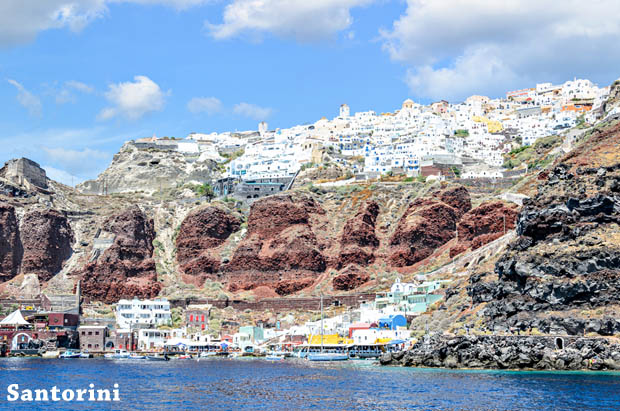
(148, 169)
(11, 249)
(565, 260)
(126, 269)
(427, 224)
(484, 224)
(47, 238)
(281, 249)
(359, 240)
(199, 240)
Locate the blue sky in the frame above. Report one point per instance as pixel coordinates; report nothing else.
(80, 77)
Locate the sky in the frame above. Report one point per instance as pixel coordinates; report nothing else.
(78, 78)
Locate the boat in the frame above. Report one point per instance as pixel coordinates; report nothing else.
(157, 357)
(85, 354)
(70, 354)
(207, 354)
(184, 357)
(117, 354)
(51, 354)
(274, 357)
(137, 357)
(327, 356)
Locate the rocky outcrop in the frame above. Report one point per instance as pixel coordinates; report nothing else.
(512, 352)
(484, 224)
(458, 197)
(350, 279)
(201, 234)
(359, 240)
(428, 223)
(280, 246)
(565, 260)
(150, 167)
(11, 250)
(46, 238)
(126, 269)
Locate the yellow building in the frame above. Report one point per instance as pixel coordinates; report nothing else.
(493, 126)
(329, 339)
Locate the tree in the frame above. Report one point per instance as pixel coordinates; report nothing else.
(206, 190)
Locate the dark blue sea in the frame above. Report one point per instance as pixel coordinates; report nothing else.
(294, 384)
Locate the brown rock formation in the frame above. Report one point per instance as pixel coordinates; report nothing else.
(484, 224)
(358, 240)
(47, 238)
(351, 279)
(11, 250)
(457, 197)
(280, 245)
(426, 225)
(127, 268)
(201, 233)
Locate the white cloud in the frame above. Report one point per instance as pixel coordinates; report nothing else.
(133, 100)
(22, 20)
(79, 86)
(76, 161)
(252, 111)
(302, 20)
(27, 99)
(455, 48)
(66, 92)
(61, 176)
(208, 105)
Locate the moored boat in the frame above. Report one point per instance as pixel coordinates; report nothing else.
(137, 357)
(273, 357)
(117, 354)
(327, 356)
(70, 354)
(85, 354)
(157, 357)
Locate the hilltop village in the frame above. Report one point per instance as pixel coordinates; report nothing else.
(466, 140)
(402, 236)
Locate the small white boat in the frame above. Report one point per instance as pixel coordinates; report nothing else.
(207, 354)
(274, 357)
(137, 357)
(86, 354)
(158, 358)
(117, 354)
(51, 354)
(327, 356)
(70, 354)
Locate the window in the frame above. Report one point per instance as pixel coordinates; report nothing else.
(191, 318)
(90, 333)
(96, 332)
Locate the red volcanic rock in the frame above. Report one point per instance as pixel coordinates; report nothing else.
(280, 244)
(360, 230)
(358, 240)
(201, 233)
(287, 287)
(350, 280)
(127, 268)
(46, 238)
(11, 250)
(426, 225)
(457, 197)
(484, 224)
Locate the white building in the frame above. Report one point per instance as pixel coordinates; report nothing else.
(136, 313)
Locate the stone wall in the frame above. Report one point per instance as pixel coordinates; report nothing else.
(282, 304)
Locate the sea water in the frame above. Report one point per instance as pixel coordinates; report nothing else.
(227, 384)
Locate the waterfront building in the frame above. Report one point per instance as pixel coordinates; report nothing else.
(93, 338)
(143, 313)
